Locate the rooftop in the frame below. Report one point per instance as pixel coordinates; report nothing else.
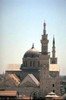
(53, 67)
(8, 93)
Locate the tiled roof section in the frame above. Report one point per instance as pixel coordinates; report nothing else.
(53, 67)
(34, 79)
(15, 78)
(23, 73)
(8, 93)
(30, 79)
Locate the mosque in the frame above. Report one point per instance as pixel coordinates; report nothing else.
(39, 73)
(42, 67)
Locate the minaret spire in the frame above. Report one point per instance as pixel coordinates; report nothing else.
(44, 30)
(44, 41)
(53, 59)
(53, 41)
(53, 48)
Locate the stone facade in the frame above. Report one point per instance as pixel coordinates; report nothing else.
(48, 83)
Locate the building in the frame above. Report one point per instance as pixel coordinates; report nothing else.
(38, 74)
(49, 73)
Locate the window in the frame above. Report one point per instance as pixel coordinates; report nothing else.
(34, 64)
(53, 90)
(30, 63)
(65, 90)
(25, 63)
(53, 62)
(38, 64)
(53, 85)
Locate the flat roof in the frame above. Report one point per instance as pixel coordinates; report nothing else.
(53, 67)
(8, 93)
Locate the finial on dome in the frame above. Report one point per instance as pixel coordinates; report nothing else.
(32, 45)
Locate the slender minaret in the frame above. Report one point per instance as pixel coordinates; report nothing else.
(44, 62)
(49, 77)
(53, 59)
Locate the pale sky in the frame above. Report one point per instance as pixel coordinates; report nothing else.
(21, 24)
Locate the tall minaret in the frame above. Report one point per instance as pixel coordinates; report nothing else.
(48, 80)
(53, 59)
(44, 41)
(44, 62)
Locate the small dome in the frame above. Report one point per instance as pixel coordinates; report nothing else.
(32, 53)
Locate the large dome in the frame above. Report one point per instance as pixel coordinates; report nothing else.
(32, 53)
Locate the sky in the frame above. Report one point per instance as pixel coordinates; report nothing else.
(21, 24)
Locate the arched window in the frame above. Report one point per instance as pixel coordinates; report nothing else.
(33, 63)
(25, 63)
(53, 85)
(54, 91)
(30, 63)
(38, 64)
